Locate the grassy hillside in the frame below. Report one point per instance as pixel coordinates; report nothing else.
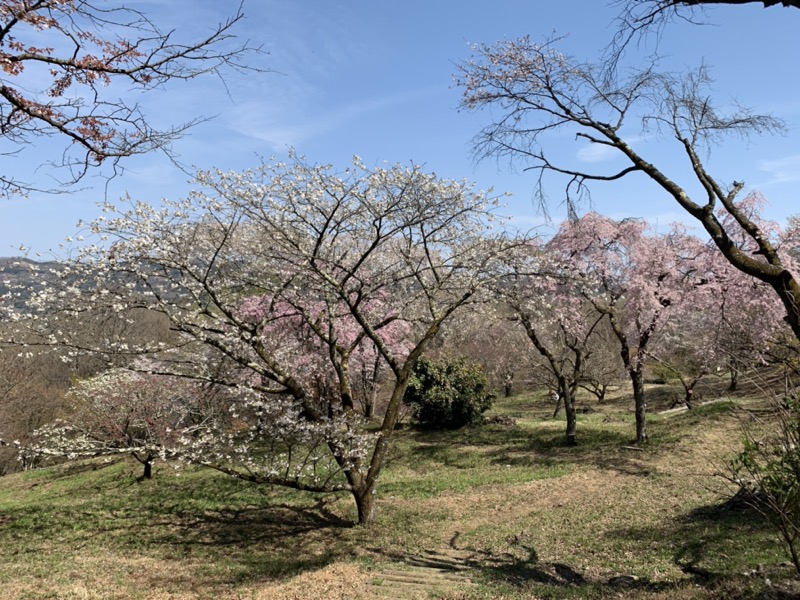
(508, 509)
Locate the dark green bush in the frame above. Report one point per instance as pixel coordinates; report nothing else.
(448, 394)
(663, 373)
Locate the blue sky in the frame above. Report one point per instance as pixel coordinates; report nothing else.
(375, 78)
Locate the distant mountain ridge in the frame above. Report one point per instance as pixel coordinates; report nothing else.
(20, 273)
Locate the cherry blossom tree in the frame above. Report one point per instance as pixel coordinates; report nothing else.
(557, 319)
(750, 321)
(726, 320)
(484, 336)
(605, 371)
(67, 70)
(32, 389)
(127, 412)
(534, 91)
(276, 279)
(632, 276)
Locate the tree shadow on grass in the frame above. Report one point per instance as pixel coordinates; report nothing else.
(718, 547)
(519, 447)
(256, 544)
(223, 531)
(523, 571)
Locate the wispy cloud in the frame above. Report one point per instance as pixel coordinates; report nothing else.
(781, 170)
(282, 126)
(593, 153)
(319, 59)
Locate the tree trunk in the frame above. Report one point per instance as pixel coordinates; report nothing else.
(734, 385)
(572, 418)
(508, 385)
(640, 407)
(147, 463)
(369, 405)
(365, 485)
(365, 504)
(558, 404)
(371, 392)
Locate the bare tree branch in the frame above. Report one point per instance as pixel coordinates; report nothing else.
(535, 91)
(640, 19)
(64, 89)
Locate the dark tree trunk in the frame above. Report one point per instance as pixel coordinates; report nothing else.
(634, 365)
(572, 417)
(688, 398)
(601, 393)
(508, 385)
(689, 383)
(640, 406)
(369, 405)
(734, 385)
(147, 463)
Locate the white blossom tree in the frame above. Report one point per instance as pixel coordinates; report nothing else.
(275, 280)
(545, 297)
(121, 411)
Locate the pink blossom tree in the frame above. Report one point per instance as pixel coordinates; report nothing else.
(279, 281)
(750, 320)
(632, 276)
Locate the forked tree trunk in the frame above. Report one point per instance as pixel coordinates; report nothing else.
(363, 493)
(601, 392)
(147, 463)
(688, 388)
(364, 484)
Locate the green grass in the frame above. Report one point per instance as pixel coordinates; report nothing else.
(537, 517)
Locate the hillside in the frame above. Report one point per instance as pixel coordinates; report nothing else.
(25, 274)
(498, 511)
